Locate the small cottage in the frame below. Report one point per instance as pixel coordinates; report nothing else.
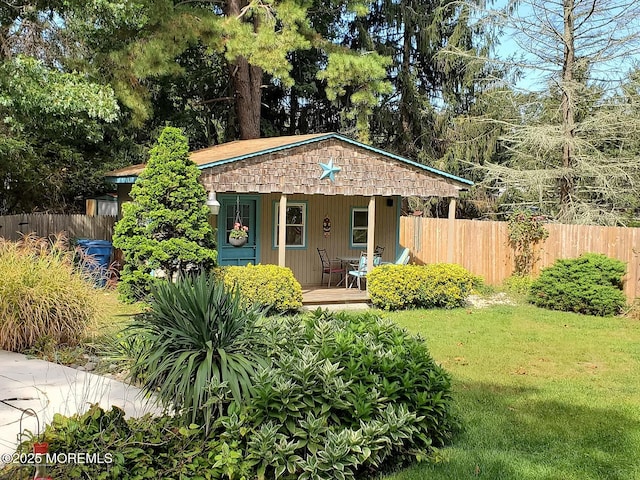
(297, 194)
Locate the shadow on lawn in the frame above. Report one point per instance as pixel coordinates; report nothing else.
(510, 433)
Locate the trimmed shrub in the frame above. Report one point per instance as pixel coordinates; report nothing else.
(164, 230)
(196, 335)
(438, 285)
(343, 397)
(267, 286)
(590, 284)
(42, 294)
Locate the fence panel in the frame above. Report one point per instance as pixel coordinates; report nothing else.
(482, 247)
(12, 227)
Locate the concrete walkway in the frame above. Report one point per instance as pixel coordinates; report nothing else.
(49, 388)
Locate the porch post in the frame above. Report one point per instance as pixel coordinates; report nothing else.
(282, 232)
(452, 229)
(371, 227)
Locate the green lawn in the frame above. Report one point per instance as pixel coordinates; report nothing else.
(541, 394)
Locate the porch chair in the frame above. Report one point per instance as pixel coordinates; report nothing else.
(361, 272)
(379, 250)
(403, 259)
(329, 267)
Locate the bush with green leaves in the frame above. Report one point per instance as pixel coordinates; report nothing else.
(343, 394)
(437, 285)
(267, 286)
(164, 230)
(196, 335)
(590, 284)
(133, 449)
(44, 298)
(343, 397)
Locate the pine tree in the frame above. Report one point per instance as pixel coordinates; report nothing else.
(164, 229)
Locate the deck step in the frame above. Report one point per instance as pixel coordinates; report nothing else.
(332, 296)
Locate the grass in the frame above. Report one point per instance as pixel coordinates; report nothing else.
(541, 394)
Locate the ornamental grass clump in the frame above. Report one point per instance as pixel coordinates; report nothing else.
(43, 294)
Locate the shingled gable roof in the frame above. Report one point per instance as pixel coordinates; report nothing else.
(227, 153)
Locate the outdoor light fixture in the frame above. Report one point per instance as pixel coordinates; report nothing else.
(213, 204)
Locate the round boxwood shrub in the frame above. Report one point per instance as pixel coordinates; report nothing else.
(590, 284)
(437, 285)
(268, 286)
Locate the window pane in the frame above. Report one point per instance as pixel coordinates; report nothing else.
(295, 225)
(294, 215)
(359, 236)
(360, 218)
(294, 236)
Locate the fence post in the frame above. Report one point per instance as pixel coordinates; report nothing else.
(452, 229)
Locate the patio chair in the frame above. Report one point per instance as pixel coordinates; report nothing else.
(361, 273)
(379, 250)
(329, 267)
(403, 259)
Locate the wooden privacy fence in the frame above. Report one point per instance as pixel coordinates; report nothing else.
(482, 247)
(12, 227)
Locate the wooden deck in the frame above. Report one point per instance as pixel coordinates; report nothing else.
(321, 295)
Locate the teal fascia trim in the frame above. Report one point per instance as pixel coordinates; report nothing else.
(402, 159)
(130, 179)
(274, 229)
(267, 151)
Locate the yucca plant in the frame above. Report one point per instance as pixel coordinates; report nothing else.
(196, 333)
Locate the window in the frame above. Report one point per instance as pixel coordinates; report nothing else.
(296, 224)
(359, 226)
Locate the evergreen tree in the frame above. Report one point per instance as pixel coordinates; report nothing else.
(164, 229)
(571, 147)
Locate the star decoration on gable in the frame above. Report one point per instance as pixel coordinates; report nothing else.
(329, 170)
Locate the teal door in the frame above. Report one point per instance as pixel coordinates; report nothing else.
(247, 206)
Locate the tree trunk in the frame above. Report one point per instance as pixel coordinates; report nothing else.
(566, 182)
(247, 82)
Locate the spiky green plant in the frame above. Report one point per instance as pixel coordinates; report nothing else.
(196, 333)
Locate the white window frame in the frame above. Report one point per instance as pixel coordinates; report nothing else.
(276, 220)
(353, 228)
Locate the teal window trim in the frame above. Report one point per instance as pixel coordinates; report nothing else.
(352, 227)
(276, 218)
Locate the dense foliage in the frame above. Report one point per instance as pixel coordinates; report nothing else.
(342, 397)
(43, 296)
(196, 335)
(164, 230)
(266, 286)
(590, 284)
(437, 285)
(51, 127)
